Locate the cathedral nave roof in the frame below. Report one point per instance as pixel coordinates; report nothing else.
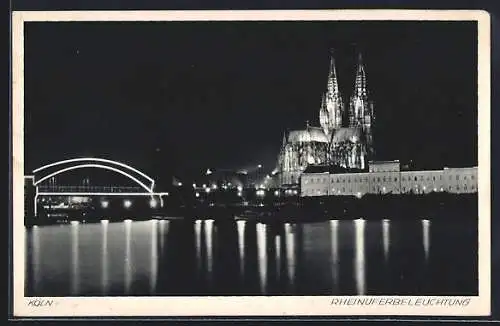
(310, 134)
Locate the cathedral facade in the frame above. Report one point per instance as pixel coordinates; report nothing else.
(343, 138)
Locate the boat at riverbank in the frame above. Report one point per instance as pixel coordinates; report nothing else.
(309, 209)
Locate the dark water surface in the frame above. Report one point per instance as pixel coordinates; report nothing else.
(336, 257)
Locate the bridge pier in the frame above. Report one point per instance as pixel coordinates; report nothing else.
(30, 209)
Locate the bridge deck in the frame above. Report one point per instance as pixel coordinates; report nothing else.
(89, 189)
(103, 193)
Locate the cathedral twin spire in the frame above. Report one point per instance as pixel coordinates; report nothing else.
(360, 108)
(332, 106)
(332, 111)
(360, 83)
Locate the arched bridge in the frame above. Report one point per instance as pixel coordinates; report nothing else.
(48, 171)
(41, 177)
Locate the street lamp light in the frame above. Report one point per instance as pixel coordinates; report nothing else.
(127, 203)
(153, 203)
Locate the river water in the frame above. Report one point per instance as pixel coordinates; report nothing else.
(204, 257)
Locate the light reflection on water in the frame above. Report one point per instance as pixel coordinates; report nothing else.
(241, 245)
(290, 254)
(128, 256)
(426, 225)
(35, 235)
(75, 258)
(359, 256)
(210, 248)
(104, 258)
(153, 257)
(337, 257)
(277, 248)
(262, 254)
(197, 238)
(163, 230)
(334, 228)
(386, 237)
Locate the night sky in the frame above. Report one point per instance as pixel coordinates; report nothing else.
(176, 98)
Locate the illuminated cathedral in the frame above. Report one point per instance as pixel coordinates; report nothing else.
(343, 139)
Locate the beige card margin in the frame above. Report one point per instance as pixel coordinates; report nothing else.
(245, 306)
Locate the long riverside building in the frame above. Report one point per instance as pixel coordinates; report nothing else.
(385, 177)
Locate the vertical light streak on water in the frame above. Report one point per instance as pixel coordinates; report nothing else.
(164, 224)
(240, 225)
(104, 257)
(262, 255)
(277, 244)
(334, 227)
(153, 276)
(197, 239)
(359, 259)
(426, 224)
(386, 237)
(35, 238)
(75, 259)
(209, 245)
(128, 256)
(290, 253)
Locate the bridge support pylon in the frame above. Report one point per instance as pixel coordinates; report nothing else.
(30, 209)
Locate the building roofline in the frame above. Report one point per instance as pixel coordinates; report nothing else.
(399, 171)
(386, 161)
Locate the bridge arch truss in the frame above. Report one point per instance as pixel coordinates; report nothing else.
(48, 171)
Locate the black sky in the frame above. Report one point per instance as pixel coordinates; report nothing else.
(171, 97)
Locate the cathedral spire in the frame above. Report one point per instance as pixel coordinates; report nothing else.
(332, 85)
(360, 83)
(359, 106)
(285, 140)
(332, 106)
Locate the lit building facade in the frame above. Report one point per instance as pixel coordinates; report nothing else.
(386, 177)
(344, 137)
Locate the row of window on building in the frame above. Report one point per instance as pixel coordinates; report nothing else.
(381, 190)
(382, 179)
(457, 180)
